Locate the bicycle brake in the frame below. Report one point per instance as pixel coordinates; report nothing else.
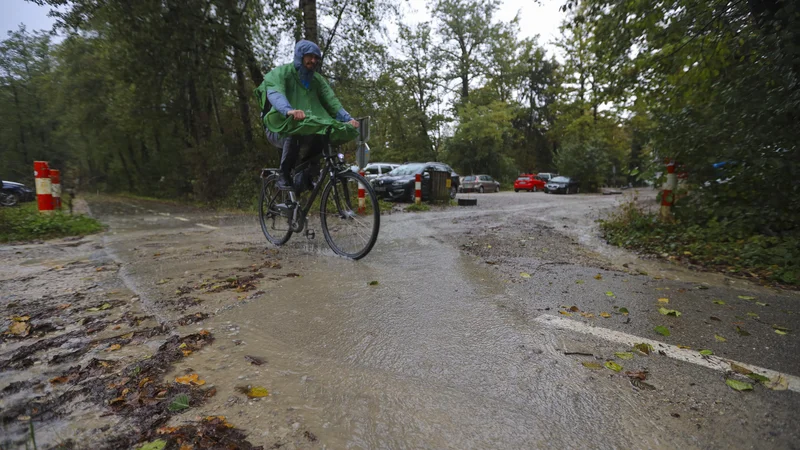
(310, 234)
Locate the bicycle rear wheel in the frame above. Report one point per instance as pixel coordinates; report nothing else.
(275, 227)
(350, 228)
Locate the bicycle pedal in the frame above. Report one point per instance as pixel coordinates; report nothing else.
(310, 234)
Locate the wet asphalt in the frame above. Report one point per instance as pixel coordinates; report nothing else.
(449, 349)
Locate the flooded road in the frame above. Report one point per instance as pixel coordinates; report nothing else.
(462, 329)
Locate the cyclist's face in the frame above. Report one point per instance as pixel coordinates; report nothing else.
(310, 61)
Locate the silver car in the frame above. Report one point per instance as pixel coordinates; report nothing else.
(479, 183)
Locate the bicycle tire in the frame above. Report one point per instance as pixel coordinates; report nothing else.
(349, 230)
(274, 226)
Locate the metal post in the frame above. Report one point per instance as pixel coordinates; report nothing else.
(44, 196)
(418, 189)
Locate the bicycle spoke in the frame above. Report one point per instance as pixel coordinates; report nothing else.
(350, 227)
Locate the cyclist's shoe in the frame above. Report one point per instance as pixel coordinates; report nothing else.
(285, 184)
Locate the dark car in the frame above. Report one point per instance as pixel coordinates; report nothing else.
(566, 185)
(455, 180)
(399, 183)
(13, 193)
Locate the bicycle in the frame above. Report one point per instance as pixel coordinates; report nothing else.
(348, 207)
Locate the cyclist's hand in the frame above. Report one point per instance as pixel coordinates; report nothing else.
(297, 114)
(353, 122)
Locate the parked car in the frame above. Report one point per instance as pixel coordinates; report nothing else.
(13, 193)
(399, 183)
(546, 176)
(480, 183)
(566, 185)
(529, 182)
(377, 169)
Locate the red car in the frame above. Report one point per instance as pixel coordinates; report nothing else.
(528, 182)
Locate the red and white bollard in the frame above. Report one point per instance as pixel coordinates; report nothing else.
(668, 193)
(362, 204)
(55, 188)
(43, 195)
(418, 189)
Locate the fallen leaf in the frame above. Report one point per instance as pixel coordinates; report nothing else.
(781, 332)
(166, 430)
(669, 312)
(158, 444)
(574, 309)
(179, 403)
(254, 360)
(639, 374)
(163, 281)
(624, 311)
(643, 347)
(64, 305)
(587, 315)
(59, 380)
(525, 275)
(373, 283)
(257, 392)
(747, 297)
(611, 365)
(706, 352)
(598, 277)
(716, 319)
(605, 315)
(191, 379)
(663, 300)
(739, 385)
(113, 347)
(24, 318)
(636, 382)
(19, 328)
(610, 294)
(762, 304)
(579, 282)
(592, 365)
(718, 302)
(739, 369)
(742, 331)
(758, 377)
(753, 315)
(624, 355)
(564, 313)
(662, 330)
(685, 347)
(186, 352)
(719, 338)
(778, 383)
(127, 336)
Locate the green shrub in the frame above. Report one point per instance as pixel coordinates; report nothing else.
(25, 223)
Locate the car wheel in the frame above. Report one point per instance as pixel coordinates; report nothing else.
(516, 190)
(480, 190)
(497, 189)
(8, 199)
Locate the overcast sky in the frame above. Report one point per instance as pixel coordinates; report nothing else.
(542, 19)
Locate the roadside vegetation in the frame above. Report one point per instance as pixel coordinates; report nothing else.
(25, 223)
(715, 245)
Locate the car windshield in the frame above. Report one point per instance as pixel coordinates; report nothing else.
(407, 169)
(560, 180)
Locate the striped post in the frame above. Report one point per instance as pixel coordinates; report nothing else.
(418, 189)
(55, 187)
(362, 207)
(668, 194)
(44, 198)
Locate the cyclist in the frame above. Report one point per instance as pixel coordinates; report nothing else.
(304, 108)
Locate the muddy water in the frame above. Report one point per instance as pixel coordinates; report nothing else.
(425, 359)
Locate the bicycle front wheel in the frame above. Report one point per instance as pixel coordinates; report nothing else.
(350, 224)
(274, 225)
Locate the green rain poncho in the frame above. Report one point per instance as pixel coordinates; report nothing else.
(318, 101)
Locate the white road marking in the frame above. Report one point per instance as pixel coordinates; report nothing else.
(672, 351)
(181, 218)
(206, 226)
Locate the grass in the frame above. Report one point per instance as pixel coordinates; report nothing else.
(714, 246)
(25, 223)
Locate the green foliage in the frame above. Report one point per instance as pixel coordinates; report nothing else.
(719, 246)
(418, 208)
(26, 223)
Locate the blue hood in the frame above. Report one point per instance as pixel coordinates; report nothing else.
(301, 49)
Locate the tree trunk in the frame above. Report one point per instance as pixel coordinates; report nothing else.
(244, 105)
(21, 125)
(310, 28)
(127, 171)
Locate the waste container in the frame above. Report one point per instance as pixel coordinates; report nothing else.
(440, 189)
